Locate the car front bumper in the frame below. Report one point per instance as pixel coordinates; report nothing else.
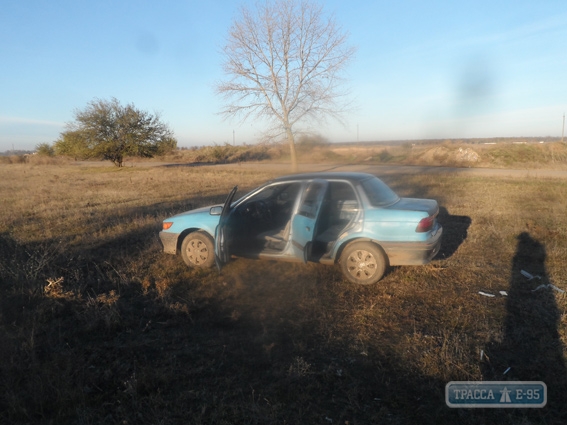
(169, 242)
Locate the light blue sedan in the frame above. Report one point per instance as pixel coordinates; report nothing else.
(352, 219)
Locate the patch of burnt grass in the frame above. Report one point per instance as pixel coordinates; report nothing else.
(98, 326)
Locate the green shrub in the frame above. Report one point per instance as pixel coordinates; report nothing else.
(45, 149)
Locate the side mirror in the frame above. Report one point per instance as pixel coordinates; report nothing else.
(216, 210)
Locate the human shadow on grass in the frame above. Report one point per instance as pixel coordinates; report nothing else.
(531, 348)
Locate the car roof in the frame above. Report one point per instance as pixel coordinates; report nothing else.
(326, 175)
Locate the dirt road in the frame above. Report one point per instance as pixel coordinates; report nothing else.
(378, 170)
(406, 169)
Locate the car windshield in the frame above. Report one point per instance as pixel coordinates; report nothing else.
(378, 193)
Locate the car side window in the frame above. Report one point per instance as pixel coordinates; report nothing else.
(343, 201)
(308, 207)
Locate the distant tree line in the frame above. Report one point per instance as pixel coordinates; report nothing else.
(16, 152)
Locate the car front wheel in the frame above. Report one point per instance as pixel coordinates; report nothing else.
(363, 262)
(198, 250)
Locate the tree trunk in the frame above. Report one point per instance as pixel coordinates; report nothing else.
(118, 160)
(292, 151)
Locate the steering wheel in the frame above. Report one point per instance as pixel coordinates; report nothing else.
(262, 210)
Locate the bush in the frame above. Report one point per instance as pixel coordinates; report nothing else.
(225, 154)
(308, 142)
(45, 149)
(18, 159)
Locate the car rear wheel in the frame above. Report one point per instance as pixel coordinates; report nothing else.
(198, 250)
(363, 262)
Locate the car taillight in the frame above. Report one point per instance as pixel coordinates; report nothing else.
(425, 224)
(167, 224)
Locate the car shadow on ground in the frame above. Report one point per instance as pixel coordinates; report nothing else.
(530, 348)
(455, 231)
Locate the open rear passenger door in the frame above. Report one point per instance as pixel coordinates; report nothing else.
(304, 221)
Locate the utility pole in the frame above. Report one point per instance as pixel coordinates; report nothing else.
(233, 139)
(563, 129)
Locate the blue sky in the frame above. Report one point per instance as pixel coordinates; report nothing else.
(424, 69)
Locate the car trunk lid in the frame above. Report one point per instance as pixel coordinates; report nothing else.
(429, 206)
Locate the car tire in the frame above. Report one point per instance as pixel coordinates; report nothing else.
(363, 263)
(198, 250)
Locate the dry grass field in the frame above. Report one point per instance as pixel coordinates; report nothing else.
(98, 326)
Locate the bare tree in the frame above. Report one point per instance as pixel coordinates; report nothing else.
(285, 62)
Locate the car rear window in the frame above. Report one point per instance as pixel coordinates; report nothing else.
(378, 193)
